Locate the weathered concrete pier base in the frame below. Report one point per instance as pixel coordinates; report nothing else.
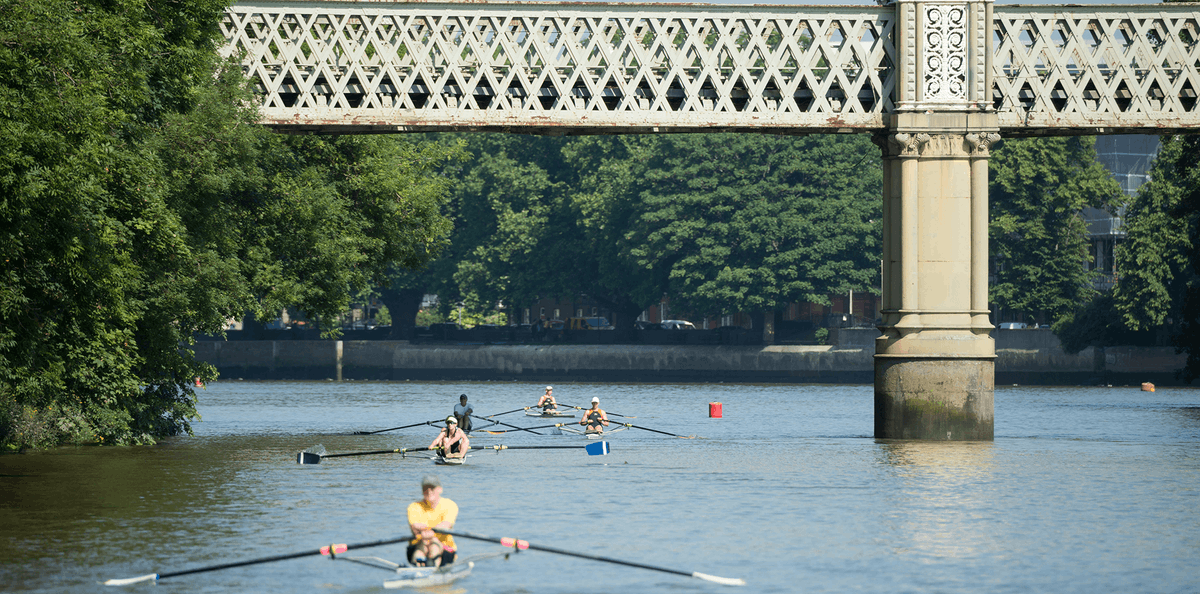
(934, 399)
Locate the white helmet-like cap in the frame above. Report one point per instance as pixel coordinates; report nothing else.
(595, 399)
(549, 388)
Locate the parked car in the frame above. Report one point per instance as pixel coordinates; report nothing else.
(678, 325)
(592, 323)
(1013, 326)
(641, 325)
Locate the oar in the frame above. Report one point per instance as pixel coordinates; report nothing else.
(507, 425)
(508, 412)
(521, 545)
(395, 428)
(599, 448)
(309, 457)
(605, 412)
(657, 431)
(329, 551)
(523, 428)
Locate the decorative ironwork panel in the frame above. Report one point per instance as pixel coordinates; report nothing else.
(565, 68)
(1096, 69)
(946, 52)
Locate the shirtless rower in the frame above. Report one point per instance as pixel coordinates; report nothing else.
(452, 442)
(547, 402)
(594, 419)
(428, 548)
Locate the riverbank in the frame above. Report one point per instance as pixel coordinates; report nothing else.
(1023, 357)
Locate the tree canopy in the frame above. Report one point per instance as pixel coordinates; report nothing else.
(140, 203)
(1039, 241)
(722, 222)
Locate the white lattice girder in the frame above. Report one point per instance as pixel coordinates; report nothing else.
(564, 67)
(1096, 67)
(372, 65)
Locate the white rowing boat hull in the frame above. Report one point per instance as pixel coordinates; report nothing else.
(424, 577)
(543, 415)
(449, 461)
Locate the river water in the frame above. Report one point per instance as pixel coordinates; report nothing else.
(1083, 490)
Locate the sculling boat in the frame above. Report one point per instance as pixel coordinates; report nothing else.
(424, 577)
(548, 415)
(449, 461)
(590, 434)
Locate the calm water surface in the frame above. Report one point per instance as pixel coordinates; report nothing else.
(1084, 490)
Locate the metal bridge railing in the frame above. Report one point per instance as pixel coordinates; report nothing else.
(609, 68)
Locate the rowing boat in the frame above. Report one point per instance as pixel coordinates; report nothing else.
(449, 461)
(424, 577)
(549, 415)
(589, 433)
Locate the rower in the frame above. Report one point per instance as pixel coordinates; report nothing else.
(451, 442)
(547, 402)
(594, 419)
(428, 548)
(462, 412)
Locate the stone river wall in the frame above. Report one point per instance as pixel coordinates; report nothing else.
(1023, 357)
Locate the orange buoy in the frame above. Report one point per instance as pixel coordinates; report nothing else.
(714, 410)
(1147, 387)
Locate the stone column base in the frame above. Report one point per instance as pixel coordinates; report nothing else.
(934, 398)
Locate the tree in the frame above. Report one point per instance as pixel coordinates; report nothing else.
(142, 204)
(750, 222)
(1153, 259)
(1187, 168)
(1038, 239)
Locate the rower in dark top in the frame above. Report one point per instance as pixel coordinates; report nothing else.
(462, 412)
(594, 419)
(547, 402)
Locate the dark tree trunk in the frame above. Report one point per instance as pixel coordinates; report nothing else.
(403, 306)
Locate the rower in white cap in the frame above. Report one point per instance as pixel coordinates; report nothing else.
(451, 442)
(547, 402)
(594, 419)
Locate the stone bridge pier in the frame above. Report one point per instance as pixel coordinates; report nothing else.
(935, 361)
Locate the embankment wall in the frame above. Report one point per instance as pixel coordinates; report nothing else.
(1030, 359)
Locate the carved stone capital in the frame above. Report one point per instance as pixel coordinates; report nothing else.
(980, 144)
(909, 145)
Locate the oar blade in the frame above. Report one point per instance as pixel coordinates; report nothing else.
(716, 579)
(600, 448)
(133, 580)
(308, 458)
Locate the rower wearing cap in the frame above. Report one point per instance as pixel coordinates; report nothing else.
(547, 402)
(594, 419)
(451, 442)
(428, 548)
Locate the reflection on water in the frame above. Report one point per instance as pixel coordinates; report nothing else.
(1083, 490)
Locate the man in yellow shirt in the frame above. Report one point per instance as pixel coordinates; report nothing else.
(428, 548)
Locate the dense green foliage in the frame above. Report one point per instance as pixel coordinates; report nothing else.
(723, 223)
(1153, 259)
(139, 204)
(1038, 240)
(1187, 174)
(1154, 263)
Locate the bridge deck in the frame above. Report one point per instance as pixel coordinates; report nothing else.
(572, 68)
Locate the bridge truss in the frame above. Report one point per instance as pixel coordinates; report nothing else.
(558, 68)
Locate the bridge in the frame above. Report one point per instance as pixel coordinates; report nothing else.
(937, 83)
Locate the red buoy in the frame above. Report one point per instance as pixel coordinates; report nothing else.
(714, 410)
